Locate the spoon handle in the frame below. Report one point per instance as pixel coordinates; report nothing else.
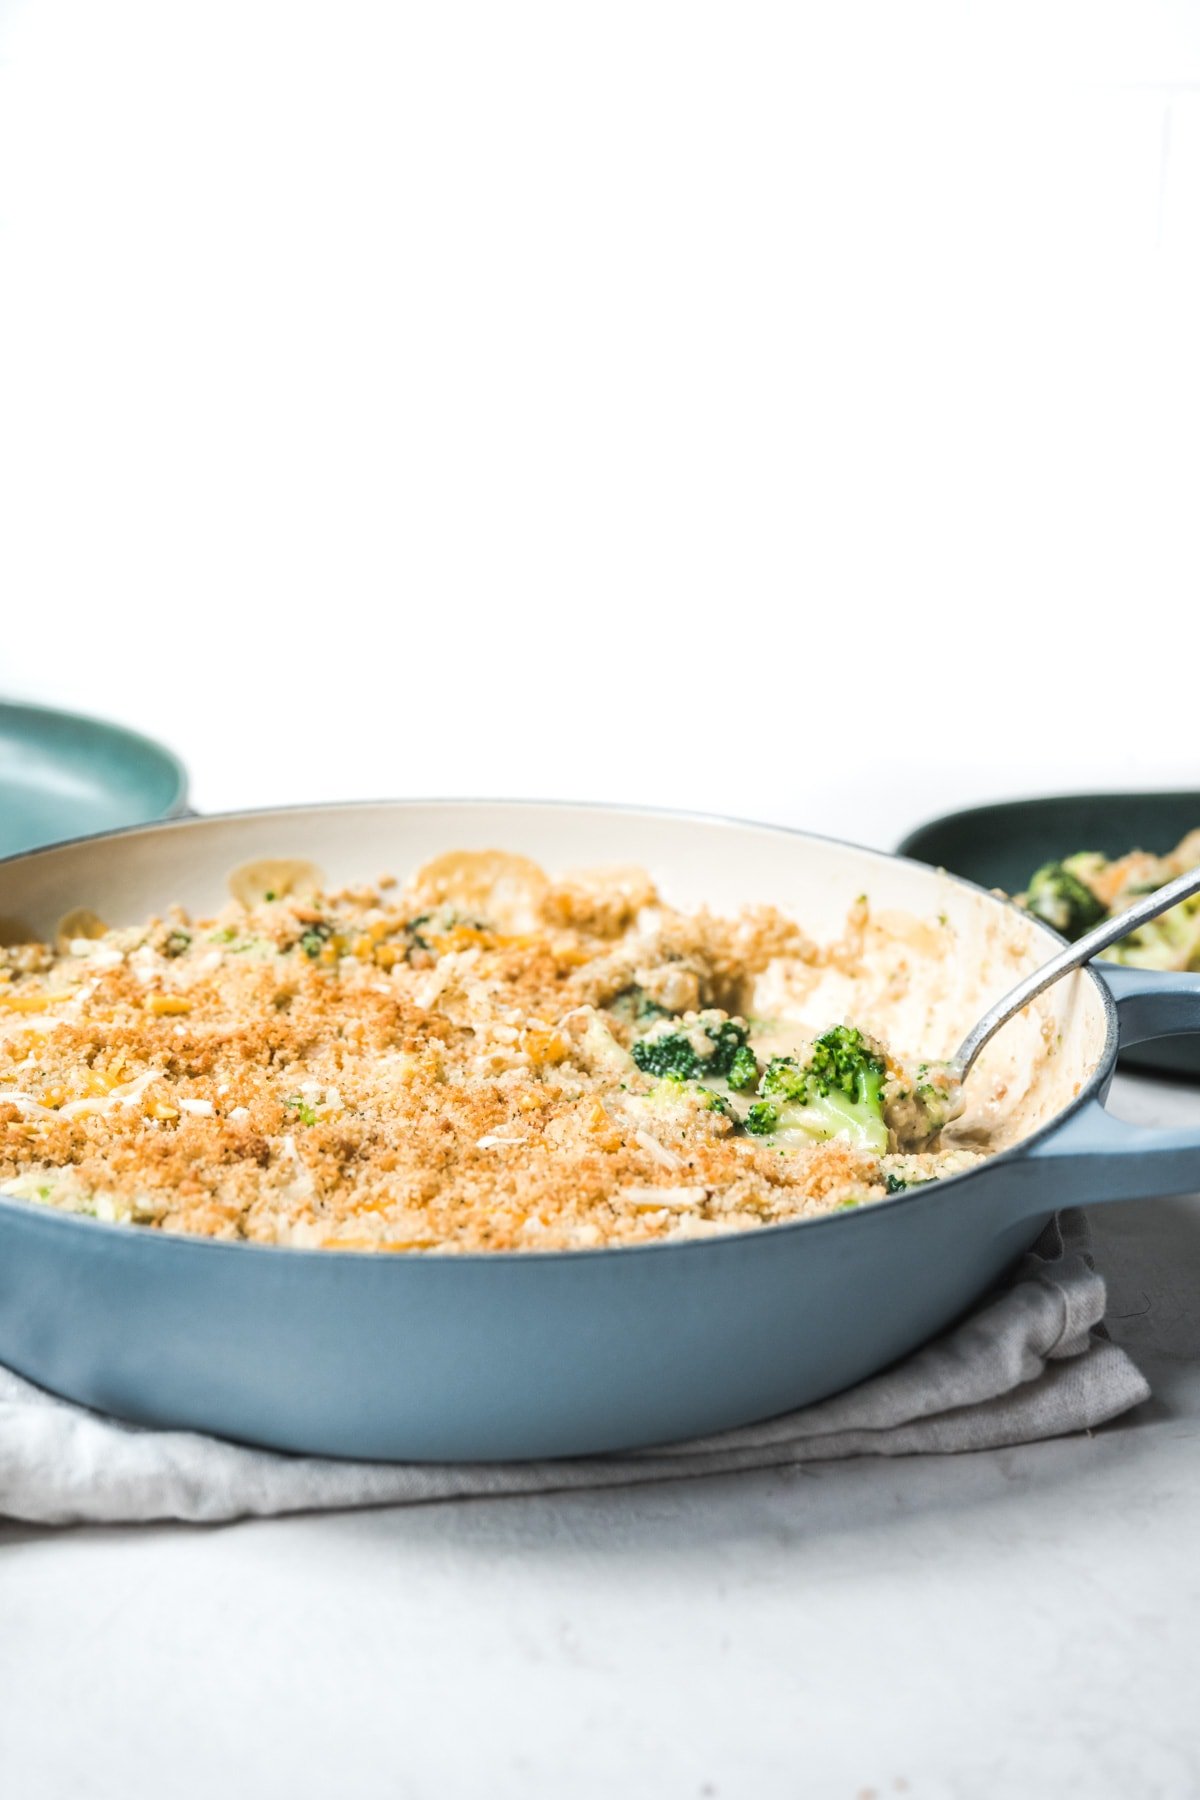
(1073, 956)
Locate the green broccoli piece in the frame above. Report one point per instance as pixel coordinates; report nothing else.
(743, 1069)
(940, 1099)
(838, 1092)
(314, 938)
(633, 1006)
(898, 1184)
(670, 1091)
(917, 1114)
(670, 1055)
(678, 1102)
(762, 1120)
(1058, 894)
(1172, 941)
(702, 1045)
(438, 923)
(412, 931)
(717, 1103)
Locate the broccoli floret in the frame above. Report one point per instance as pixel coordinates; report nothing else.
(1172, 941)
(1086, 866)
(717, 1103)
(1058, 894)
(939, 1094)
(705, 1045)
(843, 1061)
(670, 1090)
(732, 1056)
(669, 1055)
(918, 1105)
(412, 931)
(838, 1092)
(743, 1069)
(682, 1105)
(922, 1102)
(762, 1120)
(633, 1006)
(898, 1184)
(314, 938)
(420, 931)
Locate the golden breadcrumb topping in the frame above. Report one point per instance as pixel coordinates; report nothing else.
(440, 1068)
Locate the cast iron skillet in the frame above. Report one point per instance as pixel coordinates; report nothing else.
(1001, 846)
(505, 1356)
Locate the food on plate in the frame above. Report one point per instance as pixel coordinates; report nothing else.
(1077, 893)
(486, 1059)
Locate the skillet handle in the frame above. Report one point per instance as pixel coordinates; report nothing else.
(1107, 1159)
(1151, 1004)
(1114, 1160)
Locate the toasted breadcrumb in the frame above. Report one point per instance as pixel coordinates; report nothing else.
(439, 1069)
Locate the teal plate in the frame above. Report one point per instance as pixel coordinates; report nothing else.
(65, 776)
(1001, 845)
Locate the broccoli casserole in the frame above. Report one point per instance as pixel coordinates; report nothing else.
(484, 1059)
(1077, 893)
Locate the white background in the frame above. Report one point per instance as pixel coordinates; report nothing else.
(785, 409)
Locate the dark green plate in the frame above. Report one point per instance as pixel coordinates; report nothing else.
(65, 776)
(1001, 845)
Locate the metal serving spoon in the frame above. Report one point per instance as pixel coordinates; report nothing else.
(1073, 956)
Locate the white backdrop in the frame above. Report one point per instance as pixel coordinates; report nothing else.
(786, 409)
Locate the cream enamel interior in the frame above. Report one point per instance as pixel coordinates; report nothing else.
(959, 949)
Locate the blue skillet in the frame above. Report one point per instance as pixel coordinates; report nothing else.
(502, 1356)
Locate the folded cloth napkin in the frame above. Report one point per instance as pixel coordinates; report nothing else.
(1032, 1362)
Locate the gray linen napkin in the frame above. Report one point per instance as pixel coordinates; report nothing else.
(1032, 1362)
